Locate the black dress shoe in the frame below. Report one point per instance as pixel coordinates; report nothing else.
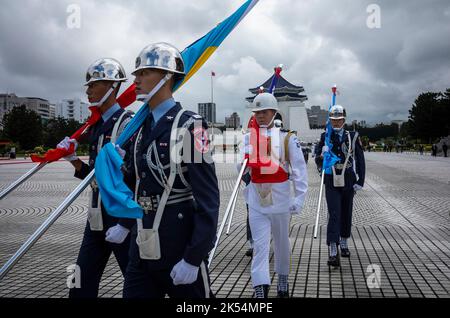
(261, 291)
(345, 252)
(283, 294)
(334, 261)
(249, 252)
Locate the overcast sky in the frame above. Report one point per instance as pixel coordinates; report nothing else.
(379, 71)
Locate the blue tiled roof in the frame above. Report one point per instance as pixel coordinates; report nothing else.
(284, 90)
(282, 83)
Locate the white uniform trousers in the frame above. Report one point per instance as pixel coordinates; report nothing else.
(262, 226)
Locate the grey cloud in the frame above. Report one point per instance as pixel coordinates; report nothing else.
(379, 71)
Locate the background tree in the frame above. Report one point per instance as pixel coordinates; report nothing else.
(365, 141)
(380, 131)
(56, 129)
(404, 129)
(23, 126)
(429, 116)
(445, 109)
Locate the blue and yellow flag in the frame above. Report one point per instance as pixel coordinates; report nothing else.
(117, 198)
(196, 54)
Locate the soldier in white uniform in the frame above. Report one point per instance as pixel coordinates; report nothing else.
(277, 190)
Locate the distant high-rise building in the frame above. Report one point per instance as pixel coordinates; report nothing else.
(398, 122)
(41, 106)
(7, 103)
(73, 109)
(52, 111)
(234, 121)
(317, 117)
(207, 111)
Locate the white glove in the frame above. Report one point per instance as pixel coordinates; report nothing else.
(357, 187)
(65, 144)
(184, 273)
(116, 234)
(120, 151)
(246, 146)
(71, 157)
(295, 207)
(325, 149)
(248, 149)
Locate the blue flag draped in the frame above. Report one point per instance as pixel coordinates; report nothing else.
(329, 158)
(117, 198)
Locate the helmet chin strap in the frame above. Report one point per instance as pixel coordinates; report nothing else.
(270, 123)
(146, 97)
(339, 128)
(106, 96)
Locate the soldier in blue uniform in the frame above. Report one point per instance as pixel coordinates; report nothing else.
(175, 184)
(341, 181)
(103, 80)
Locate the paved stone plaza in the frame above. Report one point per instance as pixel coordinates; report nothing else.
(401, 226)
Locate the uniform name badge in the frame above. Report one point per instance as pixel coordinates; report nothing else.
(265, 194)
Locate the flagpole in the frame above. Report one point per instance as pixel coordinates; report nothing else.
(233, 206)
(45, 226)
(227, 211)
(21, 180)
(212, 90)
(316, 224)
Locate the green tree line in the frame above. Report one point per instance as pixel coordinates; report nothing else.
(428, 121)
(27, 131)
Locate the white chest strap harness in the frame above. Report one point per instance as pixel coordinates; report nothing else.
(338, 179)
(148, 239)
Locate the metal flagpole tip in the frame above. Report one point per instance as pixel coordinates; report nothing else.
(334, 88)
(278, 69)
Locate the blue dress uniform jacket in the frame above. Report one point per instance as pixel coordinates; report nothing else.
(339, 148)
(340, 199)
(188, 228)
(95, 251)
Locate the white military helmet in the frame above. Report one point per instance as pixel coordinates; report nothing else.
(264, 101)
(105, 69)
(337, 112)
(162, 56)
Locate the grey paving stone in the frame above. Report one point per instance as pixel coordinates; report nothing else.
(401, 223)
